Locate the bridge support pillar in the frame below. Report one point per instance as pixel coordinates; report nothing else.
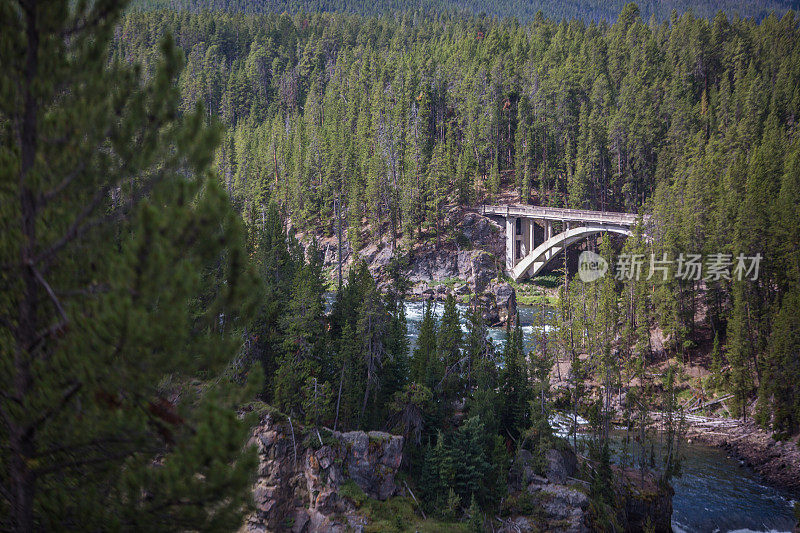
(531, 235)
(548, 232)
(511, 239)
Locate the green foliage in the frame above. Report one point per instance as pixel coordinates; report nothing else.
(587, 10)
(409, 408)
(351, 490)
(476, 518)
(126, 289)
(426, 367)
(470, 464)
(125, 274)
(515, 386)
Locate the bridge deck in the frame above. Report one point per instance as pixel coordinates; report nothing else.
(557, 213)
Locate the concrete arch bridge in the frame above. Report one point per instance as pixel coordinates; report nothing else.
(531, 238)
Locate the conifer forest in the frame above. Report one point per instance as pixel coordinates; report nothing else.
(442, 265)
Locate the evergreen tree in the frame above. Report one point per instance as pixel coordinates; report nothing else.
(515, 387)
(124, 280)
(449, 346)
(430, 484)
(276, 267)
(304, 339)
(469, 453)
(425, 365)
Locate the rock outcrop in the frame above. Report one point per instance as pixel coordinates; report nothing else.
(467, 263)
(645, 504)
(557, 501)
(303, 474)
(301, 471)
(475, 267)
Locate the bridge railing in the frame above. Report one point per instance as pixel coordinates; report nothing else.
(558, 213)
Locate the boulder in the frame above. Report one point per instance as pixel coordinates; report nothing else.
(477, 267)
(560, 465)
(482, 232)
(566, 506)
(562, 508)
(371, 460)
(505, 298)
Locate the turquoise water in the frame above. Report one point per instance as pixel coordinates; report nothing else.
(528, 316)
(715, 493)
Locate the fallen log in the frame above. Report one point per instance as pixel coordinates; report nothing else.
(713, 402)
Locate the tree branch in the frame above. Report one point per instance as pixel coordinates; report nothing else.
(46, 196)
(80, 27)
(72, 447)
(50, 293)
(65, 397)
(5, 494)
(76, 229)
(80, 226)
(80, 462)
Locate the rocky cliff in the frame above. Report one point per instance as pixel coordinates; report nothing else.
(301, 472)
(467, 263)
(554, 501)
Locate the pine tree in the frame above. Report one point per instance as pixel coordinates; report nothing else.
(276, 268)
(515, 388)
(430, 481)
(425, 367)
(124, 277)
(304, 336)
(469, 453)
(475, 516)
(449, 346)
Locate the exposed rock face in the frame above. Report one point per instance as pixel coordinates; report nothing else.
(560, 464)
(463, 266)
(505, 301)
(299, 477)
(476, 267)
(644, 501)
(371, 460)
(565, 508)
(565, 500)
(482, 231)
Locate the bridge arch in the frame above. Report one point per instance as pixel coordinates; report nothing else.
(539, 257)
(521, 221)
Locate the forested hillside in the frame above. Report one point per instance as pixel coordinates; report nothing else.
(392, 118)
(166, 174)
(524, 11)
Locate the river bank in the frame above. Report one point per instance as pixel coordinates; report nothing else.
(777, 462)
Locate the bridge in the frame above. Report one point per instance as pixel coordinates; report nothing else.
(535, 235)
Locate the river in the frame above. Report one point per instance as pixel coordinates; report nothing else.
(714, 493)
